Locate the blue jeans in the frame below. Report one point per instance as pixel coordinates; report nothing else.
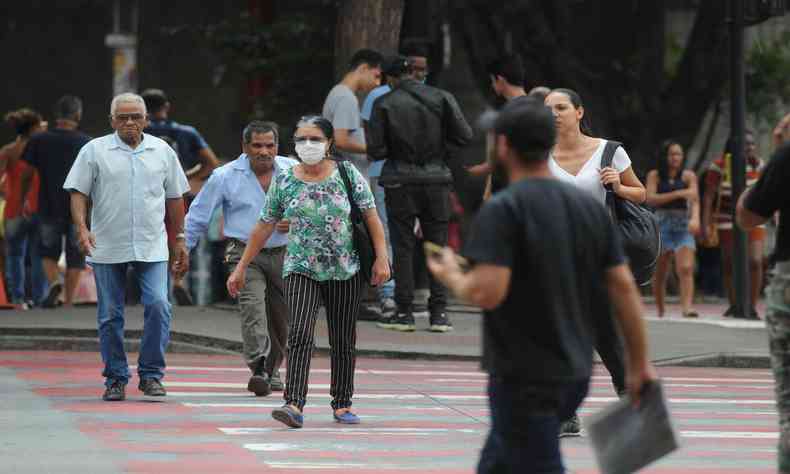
(387, 290)
(22, 237)
(525, 424)
(111, 290)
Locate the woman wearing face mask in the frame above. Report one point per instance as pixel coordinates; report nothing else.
(576, 159)
(321, 265)
(673, 191)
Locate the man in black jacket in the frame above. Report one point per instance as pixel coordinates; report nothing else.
(411, 128)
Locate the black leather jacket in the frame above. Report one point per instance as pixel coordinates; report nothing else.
(411, 127)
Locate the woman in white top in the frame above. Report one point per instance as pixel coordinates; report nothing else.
(576, 158)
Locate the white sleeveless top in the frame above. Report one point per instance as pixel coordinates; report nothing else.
(589, 177)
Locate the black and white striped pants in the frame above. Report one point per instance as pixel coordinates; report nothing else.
(341, 299)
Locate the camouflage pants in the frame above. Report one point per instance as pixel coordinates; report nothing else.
(778, 324)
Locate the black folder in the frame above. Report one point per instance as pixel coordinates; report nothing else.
(626, 439)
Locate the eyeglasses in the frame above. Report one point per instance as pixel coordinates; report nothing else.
(309, 139)
(123, 118)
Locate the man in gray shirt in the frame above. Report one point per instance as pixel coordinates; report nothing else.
(342, 106)
(129, 178)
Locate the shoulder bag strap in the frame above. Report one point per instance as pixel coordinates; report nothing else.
(356, 214)
(606, 160)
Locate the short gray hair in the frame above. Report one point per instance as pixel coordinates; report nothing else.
(126, 97)
(259, 126)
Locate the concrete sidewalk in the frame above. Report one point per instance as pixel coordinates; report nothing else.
(709, 340)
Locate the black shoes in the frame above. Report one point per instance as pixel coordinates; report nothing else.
(116, 392)
(51, 301)
(571, 427)
(401, 321)
(440, 323)
(260, 382)
(276, 383)
(152, 388)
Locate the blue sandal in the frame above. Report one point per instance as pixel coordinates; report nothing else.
(288, 416)
(346, 418)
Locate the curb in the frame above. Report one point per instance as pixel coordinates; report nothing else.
(86, 340)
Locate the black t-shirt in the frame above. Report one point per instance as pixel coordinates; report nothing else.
(769, 194)
(53, 153)
(558, 242)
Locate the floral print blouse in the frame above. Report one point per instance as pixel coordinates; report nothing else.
(320, 239)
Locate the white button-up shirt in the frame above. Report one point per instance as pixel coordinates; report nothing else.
(128, 189)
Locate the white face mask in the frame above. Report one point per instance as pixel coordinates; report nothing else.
(310, 152)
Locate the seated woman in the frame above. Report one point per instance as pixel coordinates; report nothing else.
(321, 265)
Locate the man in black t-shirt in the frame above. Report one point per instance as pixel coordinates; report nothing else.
(545, 261)
(757, 205)
(52, 153)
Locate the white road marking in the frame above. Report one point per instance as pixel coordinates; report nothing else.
(280, 403)
(730, 434)
(394, 431)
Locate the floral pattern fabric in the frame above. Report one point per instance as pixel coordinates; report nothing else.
(320, 239)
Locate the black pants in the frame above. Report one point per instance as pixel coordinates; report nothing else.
(609, 345)
(431, 204)
(341, 299)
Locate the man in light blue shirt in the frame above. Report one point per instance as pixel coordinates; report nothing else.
(129, 178)
(240, 187)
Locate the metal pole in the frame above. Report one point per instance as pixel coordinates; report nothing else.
(740, 279)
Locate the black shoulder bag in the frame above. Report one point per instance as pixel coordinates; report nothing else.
(637, 225)
(363, 243)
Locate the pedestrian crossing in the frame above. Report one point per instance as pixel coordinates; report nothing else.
(417, 416)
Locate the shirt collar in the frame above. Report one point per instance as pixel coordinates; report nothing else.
(116, 143)
(242, 163)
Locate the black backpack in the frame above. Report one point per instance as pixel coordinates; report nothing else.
(637, 225)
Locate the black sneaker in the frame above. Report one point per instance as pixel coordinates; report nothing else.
(399, 322)
(730, 312)
(51, 301)
(116, 392)
(260, 382)
(571, 427)
(440, 323)
(369, 313)
(276, 383)
(753, 314)
(152, 388)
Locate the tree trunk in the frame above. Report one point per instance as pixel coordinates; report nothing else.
(373, 24)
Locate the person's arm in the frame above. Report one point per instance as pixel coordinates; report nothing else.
(485, 285)
(625, 184)
(712, 181)
(79, 216)
(692, 198)
(208, 162)
(180, 255)
(200, 211)
(375, 134)
(781, 132)
(459, 133)
(258, 237)
(656, 199)
(746, 218)
(628, 312)
(344, 142)
(381, 267)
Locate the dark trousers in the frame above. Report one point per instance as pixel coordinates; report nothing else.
(341, 299)
(525, 423)
(609, 345)
(405, 203)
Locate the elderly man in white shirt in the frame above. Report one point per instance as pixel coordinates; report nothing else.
(129, 178)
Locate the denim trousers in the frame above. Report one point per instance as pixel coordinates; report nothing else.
(525, 424)
(387, 290)
(22, 239)
(111, 291)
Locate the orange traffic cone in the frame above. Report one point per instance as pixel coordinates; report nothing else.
(4, 304)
